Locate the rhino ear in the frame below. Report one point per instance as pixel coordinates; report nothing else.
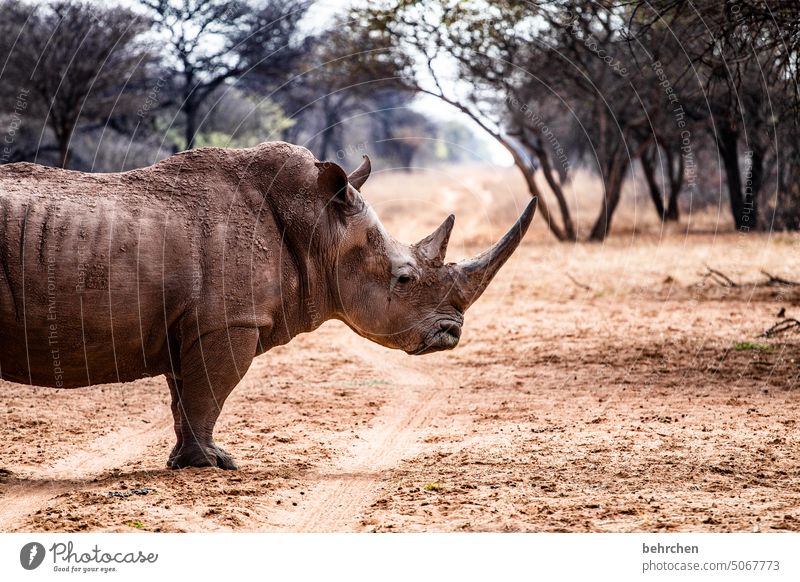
(333, 182)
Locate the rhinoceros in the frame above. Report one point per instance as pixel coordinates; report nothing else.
(194, 266)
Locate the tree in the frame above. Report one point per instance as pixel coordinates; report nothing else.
(636, 80)
(744, 56)
(76, 61)
(397, 130)
(211, 42)
(409, 37)
(504, 58)
(348, 82)
(664, 156)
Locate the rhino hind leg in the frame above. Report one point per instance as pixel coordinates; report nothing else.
(210, 370)
(175, 388)
(195, 455)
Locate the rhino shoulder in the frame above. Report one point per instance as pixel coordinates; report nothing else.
(282, 149)
(279, 157)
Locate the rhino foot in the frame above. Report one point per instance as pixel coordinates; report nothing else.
(197, 456)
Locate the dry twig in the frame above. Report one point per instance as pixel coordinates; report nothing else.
(782, 327)
(578, 283)
(719, 278)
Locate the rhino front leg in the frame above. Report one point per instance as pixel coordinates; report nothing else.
(210, 369)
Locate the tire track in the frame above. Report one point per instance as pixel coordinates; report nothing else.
(337, 502)
(26, 494)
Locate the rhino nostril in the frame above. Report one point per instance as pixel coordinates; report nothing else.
(450, 328)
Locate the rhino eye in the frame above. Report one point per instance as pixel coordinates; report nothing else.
(404, 279)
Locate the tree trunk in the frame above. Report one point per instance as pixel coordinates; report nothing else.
(673, 213)
(533, 189)
(787, 198)
(652, 183)
(676, 176)
(326, 142)
(190, 131)
(64, 137)
(751, 192)
(728, 150)
(63, 149)
(547, 169)
(613, 190)
(331, 120)
(407, 153)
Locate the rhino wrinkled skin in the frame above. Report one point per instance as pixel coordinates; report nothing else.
(193, 266)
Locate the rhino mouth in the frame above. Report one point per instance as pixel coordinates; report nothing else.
(445, 337)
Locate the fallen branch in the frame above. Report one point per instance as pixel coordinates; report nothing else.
(723, 280)
(773, 281)
(719, 278)
(782, 327)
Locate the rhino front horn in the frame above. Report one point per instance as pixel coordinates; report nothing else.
(360, 174)
(472, 276)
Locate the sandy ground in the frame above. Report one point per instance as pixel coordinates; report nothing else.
(596, 388)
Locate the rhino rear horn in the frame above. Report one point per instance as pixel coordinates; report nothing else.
(434, 246)
(474, 275)
(361, 173)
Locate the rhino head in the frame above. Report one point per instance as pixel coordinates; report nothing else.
(403, 296)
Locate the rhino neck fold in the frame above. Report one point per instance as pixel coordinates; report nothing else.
(311, 305)
(315, 304)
